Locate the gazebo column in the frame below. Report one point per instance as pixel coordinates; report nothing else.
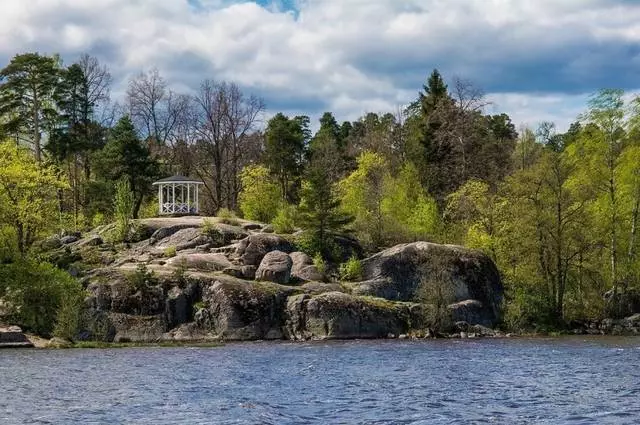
(160, 198)
(188, 198)
(173, 201)
(197, 200)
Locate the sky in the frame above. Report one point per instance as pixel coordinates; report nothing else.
(536, 60)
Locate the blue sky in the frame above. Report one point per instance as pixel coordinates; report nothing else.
(535, 60)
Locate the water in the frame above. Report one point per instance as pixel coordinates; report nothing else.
(514, 381)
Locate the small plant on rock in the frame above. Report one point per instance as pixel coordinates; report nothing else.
(170, 252)
(319, 262)
(142, 278)
(351, 270)
(227, 216)
(210, 229)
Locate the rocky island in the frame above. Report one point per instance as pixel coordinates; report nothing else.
(198, 279)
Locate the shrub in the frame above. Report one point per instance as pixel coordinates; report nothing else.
(351, 270)
(41, 297)
(170, 251)
(98, 219)
(285, 219)
(142, 278)
(319, 262)
(123, 207)
(227, 216)
(210, 229)
(179, 275)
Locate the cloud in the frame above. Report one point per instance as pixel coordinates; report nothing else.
(537, 60)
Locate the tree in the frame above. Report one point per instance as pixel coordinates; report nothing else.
(284, 147)
(223, 119)
(260, 197)
(27, 195)
(124, 156)
(598, 152)
(362, 193)
(27, 98)
(319, 208)
(154, 109)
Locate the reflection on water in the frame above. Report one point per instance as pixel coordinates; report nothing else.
(515, 381)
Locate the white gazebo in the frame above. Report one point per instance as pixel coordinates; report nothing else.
(178, 195)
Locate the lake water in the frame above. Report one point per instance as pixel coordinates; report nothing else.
(511, 381)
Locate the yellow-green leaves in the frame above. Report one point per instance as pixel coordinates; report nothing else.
(27, 194)
(261, 196)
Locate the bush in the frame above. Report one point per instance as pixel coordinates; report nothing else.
(210, 230)
(142, 278)
(319, 262)
(41, 298)
(123, 207)
(227, 216)
(351, 270)
(170, 251)
(285, 219)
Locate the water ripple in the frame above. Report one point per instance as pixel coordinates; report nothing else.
(543, 381)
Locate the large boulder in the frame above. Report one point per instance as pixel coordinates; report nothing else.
(241, 310)
(336, 315)
(201, 262)
(252, 249)
(183, 239)
(303, 269)
(275, 267)
(134, 328)
(423, 271)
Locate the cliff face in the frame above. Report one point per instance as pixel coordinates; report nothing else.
(187, 281)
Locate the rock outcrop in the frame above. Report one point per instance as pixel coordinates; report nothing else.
(240, 283)
(240, 310)
(336, 315)
(421, 271)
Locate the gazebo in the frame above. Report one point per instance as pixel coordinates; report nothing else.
(178, 195)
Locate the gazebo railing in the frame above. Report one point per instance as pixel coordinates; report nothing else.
(178, 208)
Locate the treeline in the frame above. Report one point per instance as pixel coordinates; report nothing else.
(557, 212)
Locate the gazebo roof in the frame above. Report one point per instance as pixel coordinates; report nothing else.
(177, 179)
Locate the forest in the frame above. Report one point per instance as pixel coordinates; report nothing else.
(557, 212)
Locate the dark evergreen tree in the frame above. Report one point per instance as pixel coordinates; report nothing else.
(284, 148)
(124, 156)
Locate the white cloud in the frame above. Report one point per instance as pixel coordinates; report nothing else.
(354, 56)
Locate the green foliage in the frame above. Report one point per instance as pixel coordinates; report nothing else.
(320, 213)
(285, 220)
(27, 195)
(227, 216)
(351, 270)
(319, 263)
(123, 207)
(170, 252)
(284, 151)
(388, 209)
(125, 157)
(142, 278)
(27, 99)
(41, 298)
(260, 196)
(210, 229)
